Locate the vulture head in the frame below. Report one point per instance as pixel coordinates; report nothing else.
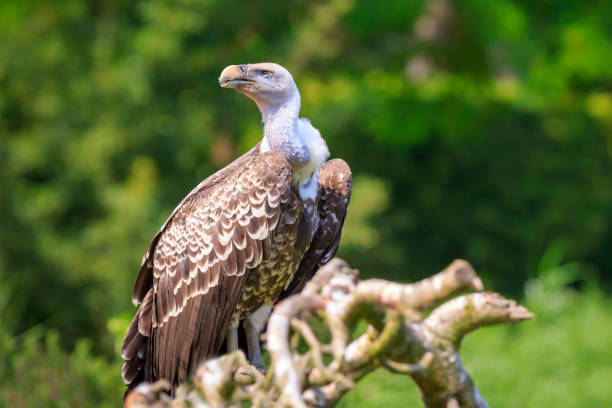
(268, 84)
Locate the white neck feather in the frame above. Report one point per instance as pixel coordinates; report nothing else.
(316, 146)
(310, 138)
(295, 138)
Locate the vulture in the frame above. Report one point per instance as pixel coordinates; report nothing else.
(247, 236)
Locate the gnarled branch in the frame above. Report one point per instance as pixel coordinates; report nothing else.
(397, 338)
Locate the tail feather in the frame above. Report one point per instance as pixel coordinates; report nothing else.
(135, 345)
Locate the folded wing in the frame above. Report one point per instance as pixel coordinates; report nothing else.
(335, 183)
(195, 267)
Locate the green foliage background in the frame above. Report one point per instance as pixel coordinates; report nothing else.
(474, 129)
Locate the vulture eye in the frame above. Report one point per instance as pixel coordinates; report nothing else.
(266, 74)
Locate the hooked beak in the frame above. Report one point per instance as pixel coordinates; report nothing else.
(234, 75)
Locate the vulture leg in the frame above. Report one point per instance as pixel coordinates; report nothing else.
(231, 340)
(253, 325)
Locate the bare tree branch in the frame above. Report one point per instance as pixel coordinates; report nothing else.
(397, 338)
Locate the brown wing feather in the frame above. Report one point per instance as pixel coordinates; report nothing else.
(145, 275)
(335, 183)
(200, 260)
